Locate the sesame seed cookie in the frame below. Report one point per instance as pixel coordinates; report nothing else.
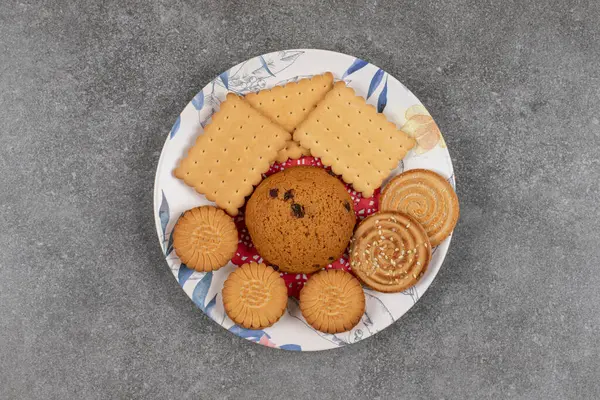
(390, 251)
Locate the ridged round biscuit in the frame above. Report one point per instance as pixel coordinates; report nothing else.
(205, 238)
(390, 251)
(254, 296)
(332, 301)
(425, 196)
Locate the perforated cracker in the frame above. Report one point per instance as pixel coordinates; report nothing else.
(237, 147)
(290, 104)
(291, 151)
(352, 138)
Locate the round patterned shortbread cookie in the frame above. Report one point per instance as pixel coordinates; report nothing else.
(332, 301)
(205, 238)
(254, 296)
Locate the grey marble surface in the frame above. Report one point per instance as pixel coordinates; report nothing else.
(88, 91)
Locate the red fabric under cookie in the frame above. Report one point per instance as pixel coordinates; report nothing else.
(246, 252)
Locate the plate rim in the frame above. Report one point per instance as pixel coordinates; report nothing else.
(156, 193)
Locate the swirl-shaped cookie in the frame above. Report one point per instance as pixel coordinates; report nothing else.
(254, 296)
(390, 251)
(425, 196)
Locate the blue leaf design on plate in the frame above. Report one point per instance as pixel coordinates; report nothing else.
(175, 127)
(337, 340)
(163, 214)
(169, 245)
(198, 100)
(356, 65)
(290, 56)
(265, 66)
(251, 334)
(412, 292)
(369, 296)
(184, 274)
(368, 326)
(211, 304)
(292, 347)
(205, 122)
(375, 81)
(366, 319)
(382, 100)
(275, 62)
(225, 78)
(201, 290)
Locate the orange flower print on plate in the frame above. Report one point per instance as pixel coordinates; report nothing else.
(423, 128)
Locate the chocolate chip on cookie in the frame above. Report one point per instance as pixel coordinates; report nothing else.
(297, 210)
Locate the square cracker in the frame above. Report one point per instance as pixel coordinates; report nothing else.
(292, 151)
(237, 147)
(352, 138)
(290, 104)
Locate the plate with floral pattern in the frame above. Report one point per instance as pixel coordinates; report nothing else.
(172, 197)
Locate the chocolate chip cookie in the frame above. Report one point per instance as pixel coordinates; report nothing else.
(300, 219)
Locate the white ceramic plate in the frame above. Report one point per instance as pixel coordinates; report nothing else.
(172, 197)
